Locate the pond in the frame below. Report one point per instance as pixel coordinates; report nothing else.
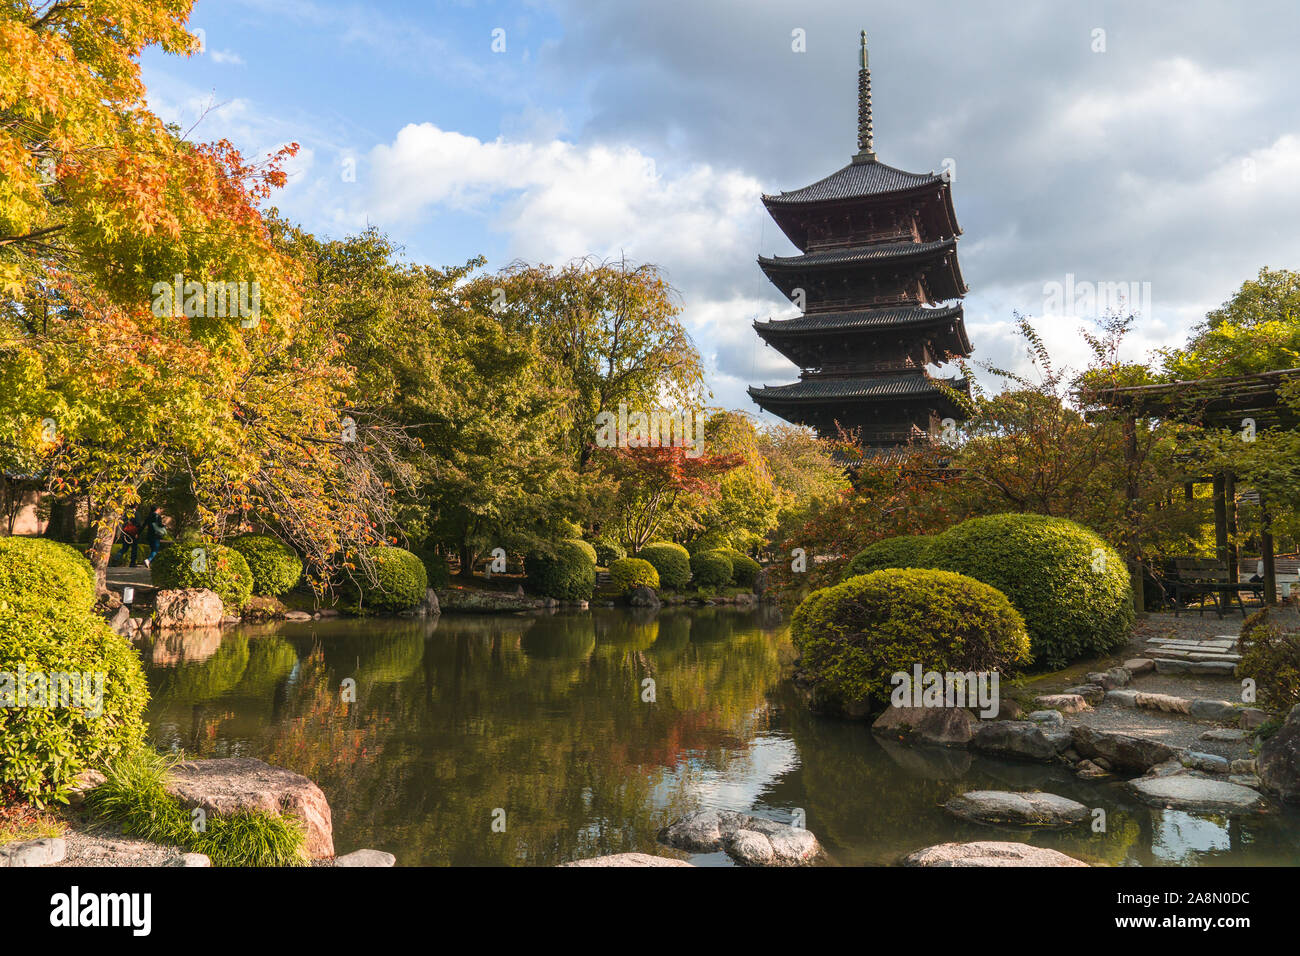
(518, 740)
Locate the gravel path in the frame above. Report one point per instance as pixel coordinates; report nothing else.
(108, 846)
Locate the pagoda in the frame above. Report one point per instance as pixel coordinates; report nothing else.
(880, 289)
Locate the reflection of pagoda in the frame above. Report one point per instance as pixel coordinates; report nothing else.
(879, 250)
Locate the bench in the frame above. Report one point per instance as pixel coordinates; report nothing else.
(1188, 579)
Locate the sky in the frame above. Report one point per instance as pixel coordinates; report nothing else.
(1149, 149)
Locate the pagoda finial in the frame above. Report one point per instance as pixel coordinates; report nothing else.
(866, 144)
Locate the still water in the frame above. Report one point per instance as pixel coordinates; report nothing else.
(548, 724)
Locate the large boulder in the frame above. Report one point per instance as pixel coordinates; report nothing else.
(1187, 792)
(187, 608)
(1020, 739)
(229, 784)
(644, 597)
(989, 853)
(941, 726)
(1121, 751)
(754, 841)
(1278, 763)
(1003, 808)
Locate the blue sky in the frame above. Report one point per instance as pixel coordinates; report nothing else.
(1168, 158)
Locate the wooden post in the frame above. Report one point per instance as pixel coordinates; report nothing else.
(1135, 562)
(1266, 552)
(1220, 520)
(1230, 505)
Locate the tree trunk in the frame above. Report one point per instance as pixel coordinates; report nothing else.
(102, 550)
(62, 525)
(467, 556)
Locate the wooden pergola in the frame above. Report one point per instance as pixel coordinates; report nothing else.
(1234, 403)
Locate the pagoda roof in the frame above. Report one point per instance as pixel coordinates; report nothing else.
(879, 387)
(873, 253)
(943, 275)
(858, 319)
(857, 180)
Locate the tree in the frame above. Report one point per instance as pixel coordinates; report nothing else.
(653, 480)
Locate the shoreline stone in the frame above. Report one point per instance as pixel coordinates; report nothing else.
(988, 853)
(1187, 792)
(1007, 808)
(753, 841)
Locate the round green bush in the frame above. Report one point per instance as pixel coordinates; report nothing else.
(1072, 588)
(744, 569)
(436, 569)
(629, 573)
(400, 582)
(274, 565)
(710, 569)
(710, 541)
(587, 548)
(672, 561)
(563, 571)
(905, 551)
(38, 573)
(852, 637)
(607, 552)
(197, 563)
(75, 725)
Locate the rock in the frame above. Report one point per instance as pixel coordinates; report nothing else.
(1164, 702)
(989, 853)
(1087, 770)
(297, 616)
(1048, 718)
(1278, 763)
(119, 619)
(1207, 709)
(1001, 807)
(43, 852)
(365, 858)
(750, 840)
(1166, 769)
(1110, 679)
(1092, 693)
(228, 784)
(187, 607)
(1104, 764)
(1253, 718)
(231, 620)
(941, 726)
(1186, 792)
(1139, 665)
(1120, 750)
(1224, 734)
(629, 859)
(193, 859)
(328, 612)
(1066, 703)
(82, 784)
(477, 601)
(1242, 766)
(1008, 709)
(431, 607)
(1124, 698)
(644, 597)
(1244, 780)
(1210, 763)
(1017, 738)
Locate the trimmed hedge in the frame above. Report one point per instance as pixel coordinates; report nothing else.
(38, 573)
(564, 571)
(436, 570)
(219, 568)
(1072, 588)
(274, 565)
(904, 551)
(587, 547)
(627, 574)
(607, 552)
(852, 637)
(744, 569)
(400, 582)
(710, 569)
(672, 561)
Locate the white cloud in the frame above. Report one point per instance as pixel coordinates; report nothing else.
(226, 56)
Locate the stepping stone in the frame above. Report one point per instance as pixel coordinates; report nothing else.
(989, 853)
(1253, 717)
(365, 858)
(627, 859)
(1092, 693)
(1166, 665)
(1224, 735)
(1210, 763)
(1048, 718)
(1065, 703)
(1244, 780)
(43, 852)
(1185, 792)
(1124, 698)
(1245, 765)
(1207, 709)
(1004, 808)
(1163, 702)
(1139, 665)
(755, 841)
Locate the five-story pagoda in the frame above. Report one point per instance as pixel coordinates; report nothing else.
(880, 288)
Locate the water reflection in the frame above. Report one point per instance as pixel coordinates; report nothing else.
(548, 718)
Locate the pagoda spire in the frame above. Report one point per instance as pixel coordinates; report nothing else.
(866, 145)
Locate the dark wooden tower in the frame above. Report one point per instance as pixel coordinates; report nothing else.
(881, 291)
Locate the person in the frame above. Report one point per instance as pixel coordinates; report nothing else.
(130, 539)
(154, 531)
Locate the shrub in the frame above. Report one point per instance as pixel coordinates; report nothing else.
(671, 561)
(400, 582)
(587, 548)
(217, 568)
(607, 552)
(562, 571)
(436, 571)
(1271, 657)
(710, 569)
(43, 748)
(1072, 588)
(627, 574)
(905, 551)
(854, 635)
(744, 569)
(274, 565)
(710, 541)
(37, 574)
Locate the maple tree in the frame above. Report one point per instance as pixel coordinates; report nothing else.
(654, 480)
